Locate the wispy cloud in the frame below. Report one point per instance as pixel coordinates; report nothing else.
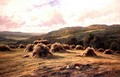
(6, 23)
(55, 19)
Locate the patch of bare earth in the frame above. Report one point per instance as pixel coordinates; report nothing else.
(69, 64)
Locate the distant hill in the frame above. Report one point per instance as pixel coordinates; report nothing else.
(18, 35)
(7, 37)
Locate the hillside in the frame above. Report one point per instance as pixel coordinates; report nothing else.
(79, 32)
(97, 35)
(105, 34)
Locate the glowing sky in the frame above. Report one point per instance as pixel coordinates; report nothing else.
(47, 15)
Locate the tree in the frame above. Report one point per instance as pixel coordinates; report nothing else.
(72, 41)
(87, 39)
(97, 43)
(114, 46)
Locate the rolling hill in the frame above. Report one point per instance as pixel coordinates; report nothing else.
(97, 35)
(87, 36)
(81, 32)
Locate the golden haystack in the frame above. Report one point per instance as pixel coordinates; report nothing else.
(89, 52)
(29, 48)
(4, 48)
(108, 51)
(41, 50)
(21, 46)
(79, 47)
(100, 50)
(57, 47)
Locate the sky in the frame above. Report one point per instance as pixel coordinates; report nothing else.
(41, 16)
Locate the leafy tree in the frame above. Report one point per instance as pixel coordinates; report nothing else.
(96, 43)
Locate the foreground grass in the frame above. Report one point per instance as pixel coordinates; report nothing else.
(12, 64)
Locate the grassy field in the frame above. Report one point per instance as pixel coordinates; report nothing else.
(12, 64)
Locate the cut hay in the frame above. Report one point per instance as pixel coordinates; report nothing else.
(41, 41)
(117, 52)
(57, 47)
(41, 50)
(72, 46)
(108, 51)
(89, 52)
(49, 45)
(100, 50)
(21, 46)
(79, 47)
(66, 46)
(29, 48)
(4, 48)
(12, 46)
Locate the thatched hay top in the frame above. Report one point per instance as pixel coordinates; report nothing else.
(79, 47)
(41, 41)
(4, 48)
(41, 50)
(89, 52)
(57, 47)
(108, 51)
(100, 50)
(29, 48)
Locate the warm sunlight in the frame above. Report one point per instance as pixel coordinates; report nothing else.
(51, 13)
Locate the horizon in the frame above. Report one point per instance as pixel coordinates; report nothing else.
(43, 16)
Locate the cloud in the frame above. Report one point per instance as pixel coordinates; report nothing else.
(55, 19)
(47, 2)
(7, 24)
(40, 15)
(3, 2)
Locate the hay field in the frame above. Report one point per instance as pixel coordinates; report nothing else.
(12, 64)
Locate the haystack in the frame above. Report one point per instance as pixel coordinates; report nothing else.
(66, 46)
(49, 45)
(117, 52)
(41, 41)
(79, 47)
(57, 47)
(4, 48)
(41, 50)
(72, 46)
(100, 50)
(21, 46)
(108, 51)
(29, 48)
(89, 52)
(12, 46)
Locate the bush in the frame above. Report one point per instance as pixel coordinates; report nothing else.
(114, 46)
